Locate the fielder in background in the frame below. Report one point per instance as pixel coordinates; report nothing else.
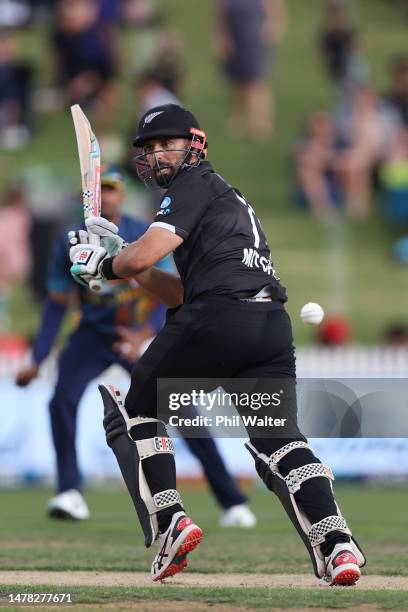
(119, 310)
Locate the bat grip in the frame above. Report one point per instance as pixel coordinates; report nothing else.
(95, 285)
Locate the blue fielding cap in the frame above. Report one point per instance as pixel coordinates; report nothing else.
(113, 176)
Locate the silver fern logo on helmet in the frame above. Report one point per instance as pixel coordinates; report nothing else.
(149, 118)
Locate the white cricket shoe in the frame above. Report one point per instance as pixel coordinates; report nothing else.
(181, 537)
(68, 505)
(341, 566)
(238, 516)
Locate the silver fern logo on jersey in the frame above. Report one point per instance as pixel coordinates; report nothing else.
(149, 118)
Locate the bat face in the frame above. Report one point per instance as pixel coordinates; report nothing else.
(90, 162)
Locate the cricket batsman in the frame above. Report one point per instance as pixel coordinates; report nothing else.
(119, 310)
(227, 320)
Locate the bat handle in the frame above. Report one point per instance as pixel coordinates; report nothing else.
(95, 285)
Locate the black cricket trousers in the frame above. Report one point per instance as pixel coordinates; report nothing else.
(222, 337)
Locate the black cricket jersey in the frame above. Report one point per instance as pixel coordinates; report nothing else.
(225, 251)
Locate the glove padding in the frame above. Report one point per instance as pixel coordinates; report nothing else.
(108, 234)
(87, 262)
(78, 237)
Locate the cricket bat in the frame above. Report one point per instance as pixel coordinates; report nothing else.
(90, 163)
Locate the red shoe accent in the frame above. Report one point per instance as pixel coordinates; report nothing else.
(185, 522)
(345, 557)
(347, 578)
(191, 542)
(174, 568)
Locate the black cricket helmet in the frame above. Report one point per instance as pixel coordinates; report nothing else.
(168, 121)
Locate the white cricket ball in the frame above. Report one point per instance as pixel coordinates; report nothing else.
(312, 314)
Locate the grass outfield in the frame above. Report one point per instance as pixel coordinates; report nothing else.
(111, 542)
(177, 599)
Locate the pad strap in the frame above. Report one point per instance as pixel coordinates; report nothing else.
(282, 452)
(140, 421)
(318, 531)
(166, 498)
(297, 476)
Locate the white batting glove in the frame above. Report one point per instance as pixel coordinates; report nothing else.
(108, 234)
(78, 237)
(87, 262)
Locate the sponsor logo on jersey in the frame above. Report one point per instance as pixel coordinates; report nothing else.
(166, 202)
(165, 208)
(149, 118)
(252, 259)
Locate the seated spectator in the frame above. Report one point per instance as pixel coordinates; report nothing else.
(341, 48)
(15, 93)
(394, 180)
(14, 245)
(337, 160)
(315, 159)
(86, 59)
(397, 97)
(366, 128)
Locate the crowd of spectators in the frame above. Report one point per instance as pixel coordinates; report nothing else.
(83, 52)
(361, 145)
(87, 63)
